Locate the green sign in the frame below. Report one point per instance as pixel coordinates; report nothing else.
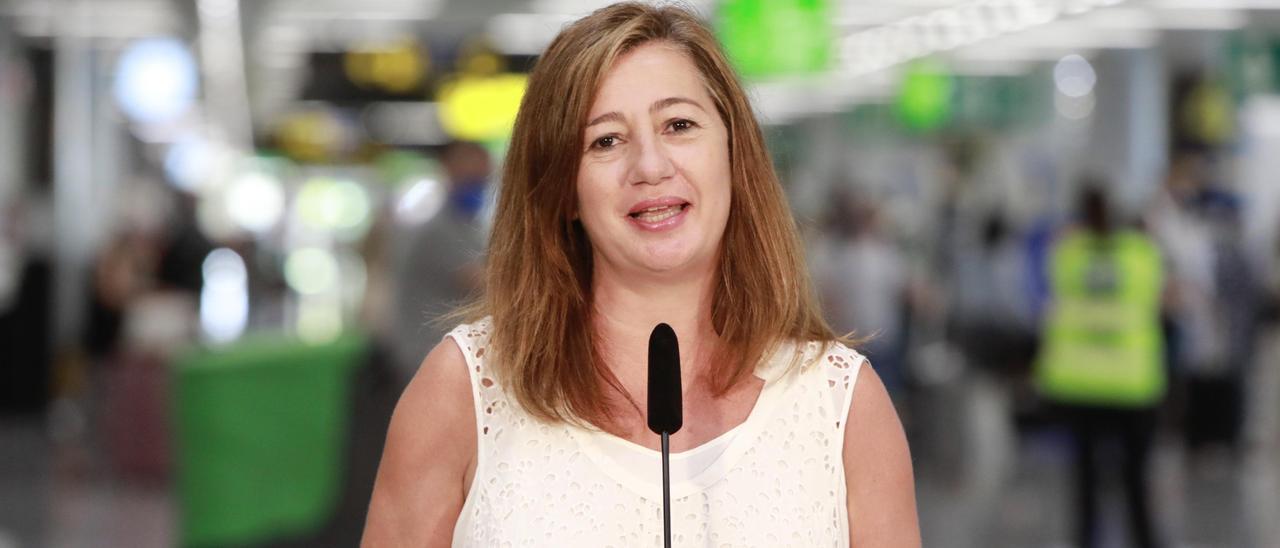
(1253, 63)
(1000, 101)
(924, 100)
(766, 38)
(931, 99)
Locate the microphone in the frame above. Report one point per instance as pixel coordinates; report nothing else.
(666, 414)
(665, 410)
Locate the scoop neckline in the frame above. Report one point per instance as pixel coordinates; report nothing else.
(735, 440)
(602, 436)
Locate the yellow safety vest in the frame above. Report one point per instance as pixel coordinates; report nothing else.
(1102, 342)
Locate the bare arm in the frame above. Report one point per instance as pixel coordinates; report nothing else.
(429, 457)
(877, 468)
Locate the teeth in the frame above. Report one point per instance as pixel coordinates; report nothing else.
(657, 214)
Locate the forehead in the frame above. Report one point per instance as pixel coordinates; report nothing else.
(649, 73)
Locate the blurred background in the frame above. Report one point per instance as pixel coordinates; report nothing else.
(226, 224)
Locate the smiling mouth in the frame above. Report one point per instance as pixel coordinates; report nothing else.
(658, 214)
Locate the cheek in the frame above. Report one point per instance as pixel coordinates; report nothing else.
(718, 177)
(585, 189)
(593, 201)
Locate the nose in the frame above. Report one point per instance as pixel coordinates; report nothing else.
(651, 162)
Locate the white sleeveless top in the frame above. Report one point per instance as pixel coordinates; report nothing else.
(775, 480)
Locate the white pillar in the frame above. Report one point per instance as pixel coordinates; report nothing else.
(1129, 144)
(72, 174)
(12, 149)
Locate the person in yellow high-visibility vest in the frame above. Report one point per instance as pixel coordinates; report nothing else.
(1102, 356)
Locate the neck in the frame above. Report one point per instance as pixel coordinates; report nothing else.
(626, 313)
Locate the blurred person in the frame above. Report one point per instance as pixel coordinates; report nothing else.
(980, 269)
(122, 271)
(955, 212)
(438, 264)
(976, 284)
(184, 246)
(991, 309)
(638, 190)
(1101, 362)
(1211, 301)
(155, 247)
(1216, 402)
(863, 283)
(1186, 241)
(989, 318)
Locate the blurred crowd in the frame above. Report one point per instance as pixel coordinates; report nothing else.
(978, 282)
(956, 320)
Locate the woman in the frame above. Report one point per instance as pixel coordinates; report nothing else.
(637, 190)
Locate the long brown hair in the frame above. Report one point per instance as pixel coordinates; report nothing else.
(538, 277)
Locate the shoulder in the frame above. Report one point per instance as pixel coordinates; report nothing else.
(441, 383)
(871, 415)
(878, 471)
(430, 449)
(444, 385)
(435, 410)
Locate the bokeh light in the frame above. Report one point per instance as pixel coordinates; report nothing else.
(193, 161)
(338, 205)
(420, 201)
(1074, 76)
(255, 201)
(924, 100)
(224, 300)
(312, 135)
(156, 80)
(319, 318)
(311, 271)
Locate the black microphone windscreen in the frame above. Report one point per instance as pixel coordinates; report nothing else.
(665, 409)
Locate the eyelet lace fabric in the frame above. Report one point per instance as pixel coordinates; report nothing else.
(779, 482)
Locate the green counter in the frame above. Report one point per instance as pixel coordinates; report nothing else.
(260, 430)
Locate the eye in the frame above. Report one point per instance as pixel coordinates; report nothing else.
(682, 125)
(605, 143)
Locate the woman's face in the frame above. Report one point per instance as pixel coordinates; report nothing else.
(653, 180)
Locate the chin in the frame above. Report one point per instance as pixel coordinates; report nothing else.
(676, 262)
(665, 267)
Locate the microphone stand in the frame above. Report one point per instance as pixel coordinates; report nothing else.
(666, 490)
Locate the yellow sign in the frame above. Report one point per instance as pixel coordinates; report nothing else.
(481, 108)
(399, 67)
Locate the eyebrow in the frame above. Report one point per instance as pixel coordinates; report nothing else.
(655, 107)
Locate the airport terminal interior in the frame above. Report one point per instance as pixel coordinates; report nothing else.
(229, 230)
